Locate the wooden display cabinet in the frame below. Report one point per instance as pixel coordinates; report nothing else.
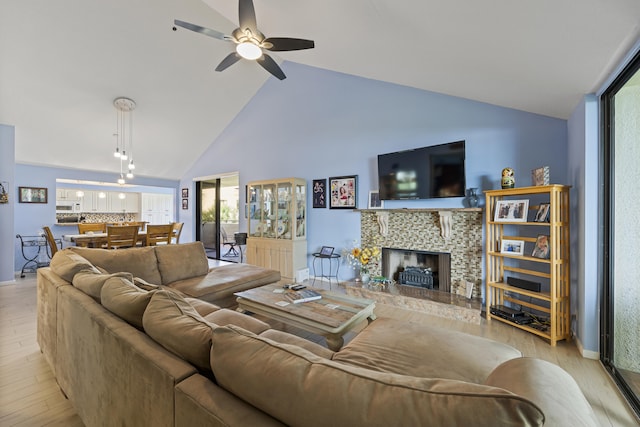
(553, 300)
(277, 217)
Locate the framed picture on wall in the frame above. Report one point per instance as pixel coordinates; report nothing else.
(343, 192)
(32, 195)
(185, 193)
(185, 204)
(320, 193)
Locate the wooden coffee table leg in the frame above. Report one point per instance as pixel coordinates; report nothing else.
(334, 342)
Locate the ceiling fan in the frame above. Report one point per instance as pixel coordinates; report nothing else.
(250, 42)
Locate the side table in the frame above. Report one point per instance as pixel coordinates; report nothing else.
(35, 258)
(318, 256)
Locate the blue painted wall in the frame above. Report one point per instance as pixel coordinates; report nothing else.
(7, 235)
(318, 124)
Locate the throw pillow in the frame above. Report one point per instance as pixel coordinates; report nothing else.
(66, 264)
(90, 282)
(178, 262)
(299, 388)
(178, 327)
(125, 300)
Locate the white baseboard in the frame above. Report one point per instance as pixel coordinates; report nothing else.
(587, 354)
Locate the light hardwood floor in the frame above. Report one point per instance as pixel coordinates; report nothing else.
(29, 395)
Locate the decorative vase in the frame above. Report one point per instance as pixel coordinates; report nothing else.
(365, 278)
(473, 197)
(508, 178)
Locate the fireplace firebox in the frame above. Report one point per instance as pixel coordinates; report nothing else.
(418, 268)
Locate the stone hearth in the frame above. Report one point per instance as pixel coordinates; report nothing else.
(428, 230)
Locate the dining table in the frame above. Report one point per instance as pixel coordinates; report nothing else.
(96, 240)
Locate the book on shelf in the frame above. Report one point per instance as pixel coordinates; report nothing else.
(303, 295)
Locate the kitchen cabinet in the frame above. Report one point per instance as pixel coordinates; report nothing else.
(157, 208)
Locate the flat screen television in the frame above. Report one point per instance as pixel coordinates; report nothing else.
(423, 173)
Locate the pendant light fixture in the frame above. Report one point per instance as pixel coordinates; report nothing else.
(124, 136)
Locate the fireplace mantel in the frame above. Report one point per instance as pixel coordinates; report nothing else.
(421, 229)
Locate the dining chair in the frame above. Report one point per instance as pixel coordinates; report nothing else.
(159, 234)
(124, 236)
(175, 234)
(139, 224)
(99, 227)
(51, 241)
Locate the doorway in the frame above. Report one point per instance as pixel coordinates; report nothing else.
(620, 305)
(217, 214)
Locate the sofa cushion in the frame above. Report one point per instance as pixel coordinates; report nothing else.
(533, 378)
(66, 264)
(389, 345)
(348, 395)
(124, 299)
(221, 282)
(178, 327)
(179, 262)
(91, 283)
(225, 317)
(141, 262)
(202, 307)
(286, 338)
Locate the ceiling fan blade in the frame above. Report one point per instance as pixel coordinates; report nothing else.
(286, 43)
(206, 31)
(228, 61)
(247, 15)
(271, 66)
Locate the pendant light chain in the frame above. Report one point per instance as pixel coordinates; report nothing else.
(124, 106)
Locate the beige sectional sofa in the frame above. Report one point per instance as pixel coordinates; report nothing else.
(131, 352)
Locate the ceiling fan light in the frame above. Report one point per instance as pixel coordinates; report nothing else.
(249, 50)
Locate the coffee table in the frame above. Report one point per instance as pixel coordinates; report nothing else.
(331, 316)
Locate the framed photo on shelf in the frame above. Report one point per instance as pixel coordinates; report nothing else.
(374, 200)
(542, 215)
(326, 251)
(32, 195)
(512, 247)
(320, 193)
(343, 192)
(511, 211)
(540, 176)
(541, 249)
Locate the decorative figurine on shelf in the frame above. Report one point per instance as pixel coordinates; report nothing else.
(508, 178)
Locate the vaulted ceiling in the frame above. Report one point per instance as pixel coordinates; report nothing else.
(62, 64)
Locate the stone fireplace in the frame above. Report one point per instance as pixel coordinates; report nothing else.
(456, 232)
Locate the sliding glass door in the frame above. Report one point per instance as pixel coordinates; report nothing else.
(620, 313)
(217, 213)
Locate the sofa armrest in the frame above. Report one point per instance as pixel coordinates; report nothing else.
(199, 402)
(548, 386)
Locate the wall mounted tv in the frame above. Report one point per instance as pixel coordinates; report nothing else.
(423, 173)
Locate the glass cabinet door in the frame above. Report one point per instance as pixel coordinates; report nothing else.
(283, 228)
(255, 210)
(301, 214)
